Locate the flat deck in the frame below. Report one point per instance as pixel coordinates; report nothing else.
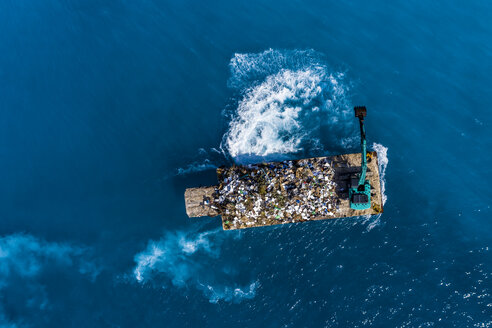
(284, 192)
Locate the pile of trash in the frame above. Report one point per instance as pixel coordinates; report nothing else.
(272, 193)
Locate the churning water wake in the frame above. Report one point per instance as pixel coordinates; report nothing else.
(190, 259)
(383, 161)
(289, 102)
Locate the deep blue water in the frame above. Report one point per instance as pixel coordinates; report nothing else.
(109, 110)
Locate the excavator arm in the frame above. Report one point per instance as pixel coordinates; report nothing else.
(361, 112)
(360, 189)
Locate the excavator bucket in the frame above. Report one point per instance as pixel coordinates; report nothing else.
(360, 111)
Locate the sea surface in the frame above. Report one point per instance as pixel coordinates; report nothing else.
(110, 109)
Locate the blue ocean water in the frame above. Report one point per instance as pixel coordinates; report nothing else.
(109, 110)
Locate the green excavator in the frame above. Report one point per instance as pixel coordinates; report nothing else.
(360, 188)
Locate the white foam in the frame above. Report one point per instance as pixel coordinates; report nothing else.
(284, 99)
(382, 151)
(267, 117)
(383, 161)
(374, 222)
(184, 257)
(204, 161)
(196, 167)
(250, 68)
(236, 295)
(147, 261)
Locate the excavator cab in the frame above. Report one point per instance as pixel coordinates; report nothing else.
(359, 187)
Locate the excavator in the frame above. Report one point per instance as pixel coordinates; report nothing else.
(360, 188)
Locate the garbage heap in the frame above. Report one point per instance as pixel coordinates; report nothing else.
(273, 193)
